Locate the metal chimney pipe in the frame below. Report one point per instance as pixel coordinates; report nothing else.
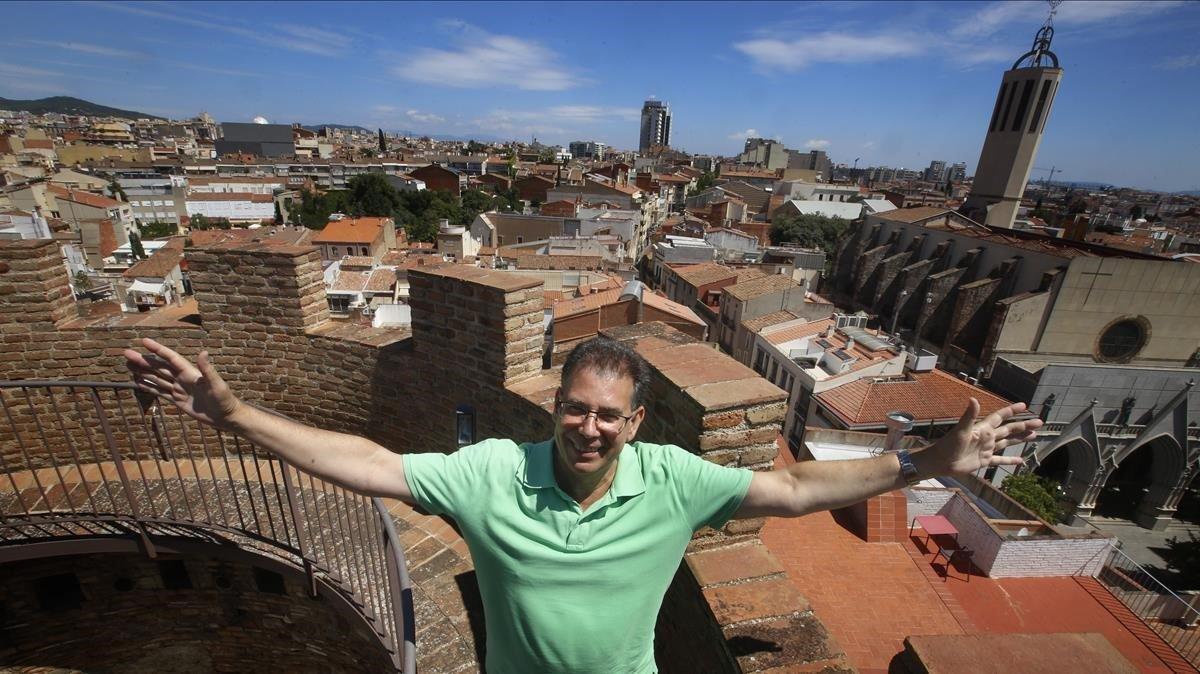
(898, 423)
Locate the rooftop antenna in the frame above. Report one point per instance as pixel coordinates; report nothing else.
(1040, 52)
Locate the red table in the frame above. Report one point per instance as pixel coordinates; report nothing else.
(934, 525)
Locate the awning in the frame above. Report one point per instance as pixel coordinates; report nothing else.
(144, 287)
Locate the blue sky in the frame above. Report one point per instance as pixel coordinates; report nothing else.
(889, 83)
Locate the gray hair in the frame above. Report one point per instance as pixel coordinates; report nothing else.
(608, 356)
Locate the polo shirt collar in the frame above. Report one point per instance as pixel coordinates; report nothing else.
(538, 470)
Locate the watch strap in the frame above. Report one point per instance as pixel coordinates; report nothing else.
(908, 470)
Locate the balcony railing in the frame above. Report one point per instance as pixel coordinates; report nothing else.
(88, 460)
(1175, 619)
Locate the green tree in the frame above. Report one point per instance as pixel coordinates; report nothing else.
(1137, 211)
(808, 231)
(476, 202)
(278, 214)
(158, 230)
(201, 221)
(1036, 493)
(474, 147)
(703, 182)
(117, 192)
(82, 281)
(371, 194)
(382, 142)
(316, 207)
(1184, 557)
(421, 231)
(135, 247)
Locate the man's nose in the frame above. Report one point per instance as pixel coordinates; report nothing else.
(591, 424)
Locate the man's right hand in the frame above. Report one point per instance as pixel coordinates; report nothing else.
(196, 389)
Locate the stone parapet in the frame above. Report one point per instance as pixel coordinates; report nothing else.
(34, 290)
(266, 288)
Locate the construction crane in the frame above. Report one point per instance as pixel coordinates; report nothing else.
(1049, 175)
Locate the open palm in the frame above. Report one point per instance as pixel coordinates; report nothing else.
(196, 389)
(976, 443)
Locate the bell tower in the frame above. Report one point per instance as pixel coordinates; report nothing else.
(1027, 92)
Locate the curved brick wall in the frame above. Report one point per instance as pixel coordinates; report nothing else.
(114, 611)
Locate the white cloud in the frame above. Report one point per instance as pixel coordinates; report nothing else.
(994, 17)
(11, 70)
(286, 36)
(830, 47)
(485, 60)
(1181, 62)
(816, 144)
(86, 48)
(424, 117)
(315, 40)
(742, 135)
(383, 109)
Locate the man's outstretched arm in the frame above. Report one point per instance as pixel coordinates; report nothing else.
(812, 486)
(197, 390)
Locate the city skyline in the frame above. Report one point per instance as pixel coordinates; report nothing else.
(859, 80)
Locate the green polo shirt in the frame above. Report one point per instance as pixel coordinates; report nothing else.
(565, 590)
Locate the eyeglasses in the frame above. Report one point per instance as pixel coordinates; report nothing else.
(609, 422)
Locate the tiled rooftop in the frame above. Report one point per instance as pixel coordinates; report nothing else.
(870, 596)
(773, 318)
(928, 396)
(352, 230)
(704, 273)
(762, 285)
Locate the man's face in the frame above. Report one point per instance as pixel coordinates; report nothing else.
(587, 446)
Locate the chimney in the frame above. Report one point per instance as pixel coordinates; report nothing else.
(898, 423)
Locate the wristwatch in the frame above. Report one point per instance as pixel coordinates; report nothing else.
(907, 469)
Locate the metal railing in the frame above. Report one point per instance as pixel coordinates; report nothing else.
(87, 460)
(1174, 618)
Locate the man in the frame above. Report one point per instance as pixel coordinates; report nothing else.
(576, 539)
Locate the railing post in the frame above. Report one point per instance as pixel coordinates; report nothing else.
(119, 463)
(301, 536)
(401, 591)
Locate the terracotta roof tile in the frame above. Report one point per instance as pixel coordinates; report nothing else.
(928, 396)
(353, 230)
(81, 197)
(350, 281)
(704, 273)
(773, 318)
(381, 280)
(763, 285)
(784, 335)
(160, 264)
(230, 196)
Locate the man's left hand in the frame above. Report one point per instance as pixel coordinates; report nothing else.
(976, 443)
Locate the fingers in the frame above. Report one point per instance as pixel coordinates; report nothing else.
(967, 420)
(995, 419)
(176, 362)
(1014, 428)
(206, 368)
(997, 460)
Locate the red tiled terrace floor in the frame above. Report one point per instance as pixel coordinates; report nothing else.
(872, 595)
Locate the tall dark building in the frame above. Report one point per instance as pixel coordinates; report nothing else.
(262, 140)
(1019, 117)
(656, 125)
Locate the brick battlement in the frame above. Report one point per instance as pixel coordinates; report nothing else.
(476, 340)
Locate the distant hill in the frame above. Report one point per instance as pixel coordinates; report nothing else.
(67, 105)
(342, 127)
(1188, 193)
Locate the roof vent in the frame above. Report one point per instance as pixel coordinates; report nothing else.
(898, 423)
